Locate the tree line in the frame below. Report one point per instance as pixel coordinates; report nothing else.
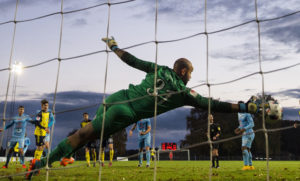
(283, 145)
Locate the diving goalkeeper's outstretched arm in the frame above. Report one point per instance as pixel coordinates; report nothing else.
(129, 59)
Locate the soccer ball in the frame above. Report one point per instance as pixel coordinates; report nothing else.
(274, 111)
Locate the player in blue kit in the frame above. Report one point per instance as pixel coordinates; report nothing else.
(144, 127)
(19, 124)
(245, 128)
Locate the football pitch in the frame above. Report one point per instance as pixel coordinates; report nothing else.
(167, 170)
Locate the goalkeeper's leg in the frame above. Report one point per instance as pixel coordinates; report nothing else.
(117, 118)
(71, 144)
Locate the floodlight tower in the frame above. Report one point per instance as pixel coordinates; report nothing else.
(17, 68)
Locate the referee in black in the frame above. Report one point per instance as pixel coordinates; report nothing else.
(215, 131)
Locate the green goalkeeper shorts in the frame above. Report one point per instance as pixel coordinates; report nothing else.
(117, 116)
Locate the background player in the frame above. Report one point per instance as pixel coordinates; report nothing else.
(215, 131)
(119, 116)
(144, 139)
(110, 143)
(18, 134)
(44, 120)
(245, 128)
(90, 146)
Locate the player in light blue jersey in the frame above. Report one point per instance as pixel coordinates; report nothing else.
(144, 127)
(245, 128)
(19, 124)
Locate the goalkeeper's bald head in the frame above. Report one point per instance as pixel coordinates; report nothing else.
(183, 68)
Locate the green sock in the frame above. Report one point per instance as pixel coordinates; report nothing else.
(63, 149)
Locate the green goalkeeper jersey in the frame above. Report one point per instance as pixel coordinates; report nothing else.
(171, 90)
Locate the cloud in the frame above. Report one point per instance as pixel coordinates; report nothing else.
(167, 135)
(8, 5)
(168, 8)
(248, 90)
(79, 22)
(285, 31)
(247, 54)
(76, 97)
(293, 93)
(290, 113)
(171, 127)
(244, 9)
(174, 119)
(232, 12)
(244, 52)
(193, 11)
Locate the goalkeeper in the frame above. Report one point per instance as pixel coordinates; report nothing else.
(121, 115)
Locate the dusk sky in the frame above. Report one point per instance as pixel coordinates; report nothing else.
(232, 53)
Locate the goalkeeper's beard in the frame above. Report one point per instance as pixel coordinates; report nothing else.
(185, 79)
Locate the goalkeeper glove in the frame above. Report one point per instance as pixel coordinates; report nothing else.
(111, 43)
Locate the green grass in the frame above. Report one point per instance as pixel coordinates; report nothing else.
(170, 170)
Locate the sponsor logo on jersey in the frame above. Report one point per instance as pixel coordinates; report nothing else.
(193, 93)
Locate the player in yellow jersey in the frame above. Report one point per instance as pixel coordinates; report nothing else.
(90, 146)
(44, 121)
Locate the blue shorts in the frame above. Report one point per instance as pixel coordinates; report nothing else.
(47, 138)
(25, 149)
(144, 142)
(247, 140)
(14, 141)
